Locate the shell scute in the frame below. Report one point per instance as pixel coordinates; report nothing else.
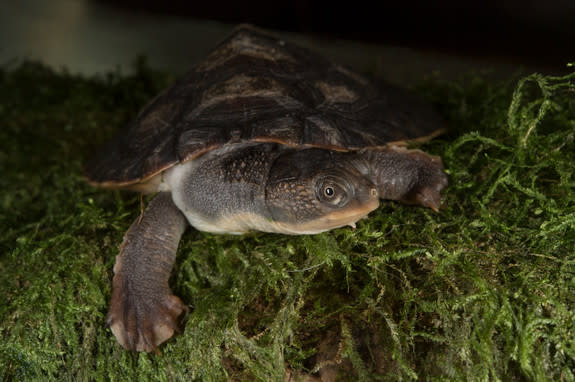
(255, 87)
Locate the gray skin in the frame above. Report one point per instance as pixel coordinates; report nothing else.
(256, 186)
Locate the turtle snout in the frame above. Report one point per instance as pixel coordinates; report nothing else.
(367, 194)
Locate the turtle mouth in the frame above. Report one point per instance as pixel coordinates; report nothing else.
(336, 219)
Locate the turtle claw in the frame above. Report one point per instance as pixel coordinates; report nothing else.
(141, 323)
(430, 195)
(430, 181)
(429, 198)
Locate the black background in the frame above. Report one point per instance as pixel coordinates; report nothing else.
(535, 32)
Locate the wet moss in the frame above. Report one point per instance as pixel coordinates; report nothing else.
(483, 290)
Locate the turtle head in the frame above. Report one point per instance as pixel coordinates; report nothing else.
(314, 190)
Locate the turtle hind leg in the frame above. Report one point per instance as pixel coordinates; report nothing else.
(143, 311)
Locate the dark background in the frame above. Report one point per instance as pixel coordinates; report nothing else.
(398, 40)
(540, 32)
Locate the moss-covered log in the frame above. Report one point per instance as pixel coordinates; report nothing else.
(484, 290)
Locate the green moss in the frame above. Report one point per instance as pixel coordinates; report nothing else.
(484, 290)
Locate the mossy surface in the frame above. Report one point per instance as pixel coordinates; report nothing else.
(484, 290)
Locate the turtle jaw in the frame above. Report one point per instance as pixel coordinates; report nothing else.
(346, 217)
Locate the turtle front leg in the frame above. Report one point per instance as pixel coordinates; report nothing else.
(143, 311)
(408, 176)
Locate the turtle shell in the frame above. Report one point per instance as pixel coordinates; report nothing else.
(256, 87)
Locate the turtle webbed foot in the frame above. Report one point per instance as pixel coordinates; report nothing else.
(428, 194)
(141, 322)
(143, 311)
(408, 176)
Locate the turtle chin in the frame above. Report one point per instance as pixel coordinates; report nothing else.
(325, 221)
(346, 217)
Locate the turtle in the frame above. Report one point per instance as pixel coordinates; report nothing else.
(260, 135)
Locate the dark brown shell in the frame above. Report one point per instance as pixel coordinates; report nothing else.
(255, 87)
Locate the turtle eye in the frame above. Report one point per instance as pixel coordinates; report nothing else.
(333, 190)
(332, 194)
(329, 192)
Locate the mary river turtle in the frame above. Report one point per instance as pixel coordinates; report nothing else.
(261, 135)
